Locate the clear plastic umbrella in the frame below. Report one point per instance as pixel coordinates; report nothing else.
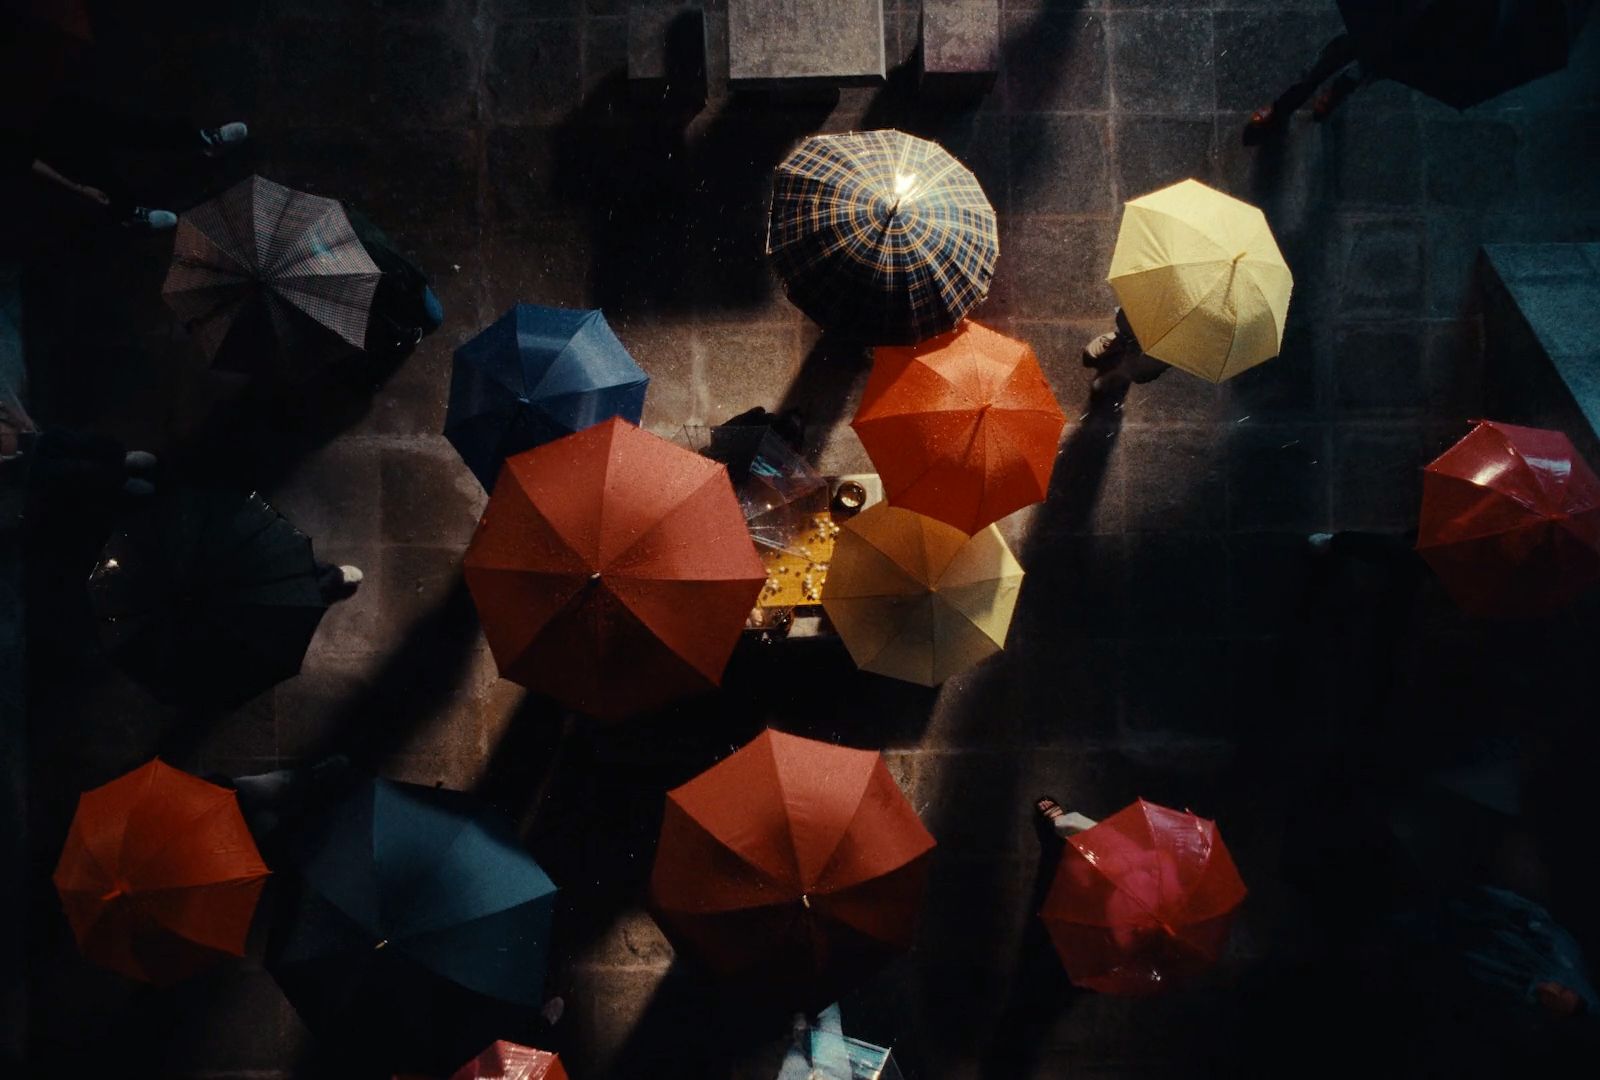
(780, 494)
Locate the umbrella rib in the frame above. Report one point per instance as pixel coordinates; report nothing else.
(788, 820)
(710, 478)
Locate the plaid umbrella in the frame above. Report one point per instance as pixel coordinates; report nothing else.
(282, 263)
(881, 235)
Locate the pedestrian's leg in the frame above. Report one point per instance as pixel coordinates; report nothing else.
(1347, 82)
(1391, 551)
(1337, 54)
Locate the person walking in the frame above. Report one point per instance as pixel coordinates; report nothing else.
(68, 148)
(1119, 361)
(1337, 65)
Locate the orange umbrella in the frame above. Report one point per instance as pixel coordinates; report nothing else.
(962, 427)
(159, 875)
(795, 866)
(613, 570)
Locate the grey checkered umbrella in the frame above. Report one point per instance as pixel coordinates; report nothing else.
(276, 263)
(881, 236)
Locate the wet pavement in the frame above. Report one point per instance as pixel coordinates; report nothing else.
(1171, 640)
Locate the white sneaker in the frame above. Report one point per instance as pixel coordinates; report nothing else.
(219, 140)
(155, 220)
(350, 576)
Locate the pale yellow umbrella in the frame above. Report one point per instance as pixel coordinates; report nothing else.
(917, 599)
(1201, 280)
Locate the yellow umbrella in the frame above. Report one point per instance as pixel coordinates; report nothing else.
(1201, 280)
(917, 599)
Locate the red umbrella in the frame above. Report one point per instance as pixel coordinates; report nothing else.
(1142, 899)
(512, 1061)
(613, 570)
(1511, 521)
(794, 865)
(962, 428)
(159, 875)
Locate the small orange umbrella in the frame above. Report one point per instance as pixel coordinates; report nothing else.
(963, 427)
(159, 875)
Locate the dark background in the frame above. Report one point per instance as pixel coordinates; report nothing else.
(1169, 642)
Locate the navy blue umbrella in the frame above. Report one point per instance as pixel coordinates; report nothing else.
(420, 927)
(534, 375)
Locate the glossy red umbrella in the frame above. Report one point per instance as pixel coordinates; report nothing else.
(613, 570)
(1511, 521)
(512, 1061)
(962, 427)
(795, 866)
(159, 875)
(1142, 900)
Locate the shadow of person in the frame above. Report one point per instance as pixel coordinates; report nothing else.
(822, 387)
(1039, 991)
(675, 204)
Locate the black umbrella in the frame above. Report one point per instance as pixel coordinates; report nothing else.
(1464, 51)
(207, 597)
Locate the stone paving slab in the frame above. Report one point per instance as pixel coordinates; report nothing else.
(822, 42)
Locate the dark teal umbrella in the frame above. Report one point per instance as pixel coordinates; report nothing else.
(533, 376)
(421, 927)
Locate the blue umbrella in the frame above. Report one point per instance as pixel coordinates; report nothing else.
(534, 375)
(421, 926)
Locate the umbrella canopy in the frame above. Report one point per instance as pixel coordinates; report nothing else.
(794, 865)
(159, 876)
(512, 1061)
(916, 599)
(534, 375)
(962, 428)
(1464, 52)
(881, 236)
(1511, 521)
(1201, 280)
(613, 570)
(421, 930)
(265, 267)
(778, 491)
(207, 597)
(1141, 900)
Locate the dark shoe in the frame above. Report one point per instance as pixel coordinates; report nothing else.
(1047, 809)
(1264, 124)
